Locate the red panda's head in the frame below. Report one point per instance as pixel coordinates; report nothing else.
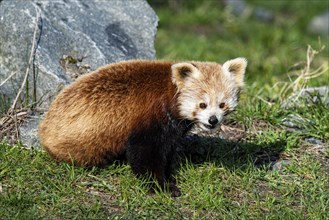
(208, 91)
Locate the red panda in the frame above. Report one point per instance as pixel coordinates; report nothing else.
(140, 109)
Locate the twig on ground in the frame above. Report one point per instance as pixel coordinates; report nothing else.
(16, 126)
(10, 123)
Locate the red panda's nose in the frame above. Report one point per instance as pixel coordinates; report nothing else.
(213, 120)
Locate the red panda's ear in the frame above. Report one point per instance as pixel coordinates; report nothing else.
(182, 71)
(237, 68)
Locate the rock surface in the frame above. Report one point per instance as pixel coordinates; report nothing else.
(295, 122)
(240, 7)
(311, 95)
(279, 165)
(320, 24)
(72, 37)
(29, 131)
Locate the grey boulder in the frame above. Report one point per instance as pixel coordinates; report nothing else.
(72, 37)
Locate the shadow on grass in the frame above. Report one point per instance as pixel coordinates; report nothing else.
(232, 154)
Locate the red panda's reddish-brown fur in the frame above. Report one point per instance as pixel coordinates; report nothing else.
(94, 116)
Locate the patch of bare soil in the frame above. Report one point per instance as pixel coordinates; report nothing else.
(320, 152)
(106, 194)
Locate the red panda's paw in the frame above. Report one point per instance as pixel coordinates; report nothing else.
(167, 188)
(151, 191)
(174, 190)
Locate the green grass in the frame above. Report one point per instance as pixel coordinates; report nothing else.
(232, 180)
(219, 179)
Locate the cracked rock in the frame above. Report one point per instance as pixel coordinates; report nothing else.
(91, 33)
(72, 37)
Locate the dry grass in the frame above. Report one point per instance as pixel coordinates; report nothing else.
(299, 80)
(16, 115)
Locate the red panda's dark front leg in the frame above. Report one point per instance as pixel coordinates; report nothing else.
(152, 151)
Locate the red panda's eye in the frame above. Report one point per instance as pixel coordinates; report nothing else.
(203, 105)
(222, 105)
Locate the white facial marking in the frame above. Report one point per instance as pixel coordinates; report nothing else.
(212, 90)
